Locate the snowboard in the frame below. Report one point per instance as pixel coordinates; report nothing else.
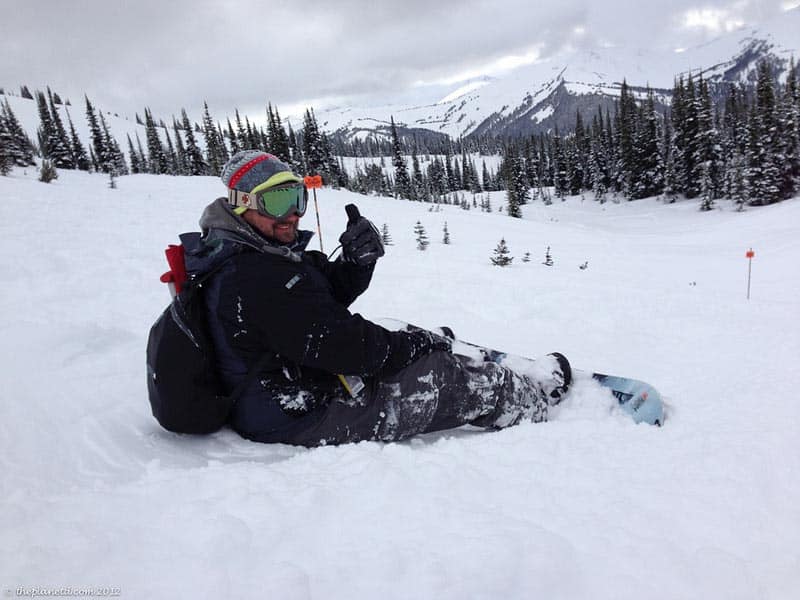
(638, 399)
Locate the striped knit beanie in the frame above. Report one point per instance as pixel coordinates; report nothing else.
(250, 168)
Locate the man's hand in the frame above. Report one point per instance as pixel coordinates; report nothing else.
(361, 242)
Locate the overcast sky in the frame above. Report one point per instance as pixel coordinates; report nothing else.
(127, 54)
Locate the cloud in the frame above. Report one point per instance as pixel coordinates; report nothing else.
(168, 55)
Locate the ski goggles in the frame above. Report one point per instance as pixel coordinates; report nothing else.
(276, 202)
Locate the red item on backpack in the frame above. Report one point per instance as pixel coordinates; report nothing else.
(176, 276)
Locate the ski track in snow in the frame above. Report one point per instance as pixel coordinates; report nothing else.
(588, 505)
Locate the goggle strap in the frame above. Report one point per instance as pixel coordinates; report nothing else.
(241, 199)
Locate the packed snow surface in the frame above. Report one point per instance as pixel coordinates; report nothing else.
(589, 505)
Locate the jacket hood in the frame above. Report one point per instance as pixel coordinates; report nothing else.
(224, 233)
(218, 221)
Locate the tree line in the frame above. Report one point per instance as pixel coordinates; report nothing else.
(714, 141)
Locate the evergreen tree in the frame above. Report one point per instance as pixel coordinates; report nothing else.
(215, 146)
(156, 159)
(763, 173)
(402, 183)
(422, 238)
(526, 257)
(385, 237)
(6, 144)
(560, 168)
(136, 165)
(80, 159)
(180, 151)
(502, 256)
(647, 174)
(517, 189)
(143, 167)
(626, 130)
(20, 148)
(419, 189)
(46, 131)
(789, 126)
(170, 155)
(115, 158)
(195, 164)
(59, 144)
(313, 149)
(97, 150)
(445, 234)
(670, 185)
(232, 139)
(278, 139)
(548, 259)
(47, 172)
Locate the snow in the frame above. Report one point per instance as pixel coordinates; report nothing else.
(588, 505)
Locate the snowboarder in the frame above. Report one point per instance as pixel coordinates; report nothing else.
(272, 296)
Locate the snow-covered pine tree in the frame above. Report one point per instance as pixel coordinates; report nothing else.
(517, 191)
(763, 173)
(21, 147)
(789, 126)
(502, 255)
(422, 238)
(445, 234)
(115, 159)
(526, 257)
(180, 151)
(60, 147)
(647, 174)
(706, 189)
(6, 144)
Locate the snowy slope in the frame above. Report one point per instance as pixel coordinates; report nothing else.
(588, 505)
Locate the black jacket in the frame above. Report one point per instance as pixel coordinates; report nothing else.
(290, 303)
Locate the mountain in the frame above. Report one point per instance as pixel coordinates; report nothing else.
(544, 95)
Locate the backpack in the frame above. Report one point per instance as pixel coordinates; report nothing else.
(184, 388)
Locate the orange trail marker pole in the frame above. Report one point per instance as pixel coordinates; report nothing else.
(749, 255)
(313, 182)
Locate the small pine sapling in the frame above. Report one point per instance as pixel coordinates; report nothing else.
(385, 237)
(501, 257)
(422, 238)
(526, 257)
(48, 172)
(446, 234)
(548, 260)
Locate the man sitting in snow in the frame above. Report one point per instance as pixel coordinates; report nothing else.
(273, 297)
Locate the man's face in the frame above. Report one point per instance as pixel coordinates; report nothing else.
(281, 230)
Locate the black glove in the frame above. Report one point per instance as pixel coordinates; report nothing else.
(431, 342)
(361, 242)
(417, 343)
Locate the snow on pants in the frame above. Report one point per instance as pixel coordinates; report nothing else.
(439, 391)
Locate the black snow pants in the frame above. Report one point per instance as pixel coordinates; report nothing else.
(437, 392)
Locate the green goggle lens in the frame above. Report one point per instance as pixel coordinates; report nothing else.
(280, 202)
